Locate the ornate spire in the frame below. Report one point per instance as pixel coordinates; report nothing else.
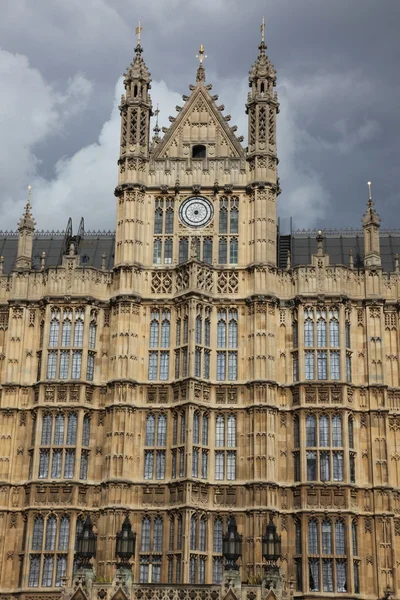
(27, 221)
(137, 69)
(370, 215)
(371, 223)
(26, 228)
(156, 128)
(201, 73)
(262, 68)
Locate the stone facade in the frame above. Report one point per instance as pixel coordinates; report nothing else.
(198, 379)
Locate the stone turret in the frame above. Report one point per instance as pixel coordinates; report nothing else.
(371, 224)
(26, 228)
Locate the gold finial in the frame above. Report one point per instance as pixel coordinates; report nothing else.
(29, 193)
(138, 32)
(369, 190)
(263, 31)
(201, 56)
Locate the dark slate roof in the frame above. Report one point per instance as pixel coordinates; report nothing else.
(90, 246)
(302, 244)
(337, 244)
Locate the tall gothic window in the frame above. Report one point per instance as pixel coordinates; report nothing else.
(48, 553)
(324, 448)
(155, 447)
(151, 550)
(203, 341)
(225, 441)
(65, 354)
(227, 341)
(160, 327)
(328, 563)
(200, 443)
(321, 332)
(163, 231)
(228, 230)
(182, 340)
(59, 447)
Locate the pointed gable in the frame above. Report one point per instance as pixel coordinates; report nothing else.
(199, 122)
(230, 595)
(79, 594)
(119, 595)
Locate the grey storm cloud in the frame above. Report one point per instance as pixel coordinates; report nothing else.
(60, 82)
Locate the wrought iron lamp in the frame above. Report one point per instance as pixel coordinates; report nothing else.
(86, 544)
(271, 544)
(126, 543)
(232, 546)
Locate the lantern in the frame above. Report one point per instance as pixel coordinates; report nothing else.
(271, 543)
(86, 543)
(232, 545)
(126, 542)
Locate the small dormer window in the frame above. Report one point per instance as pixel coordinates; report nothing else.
(262, 87)
(199, 151)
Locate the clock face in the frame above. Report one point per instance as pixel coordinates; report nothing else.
(196, 211)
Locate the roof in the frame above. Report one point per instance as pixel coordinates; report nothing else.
(90, 246)
(337, 244)
(302, 244)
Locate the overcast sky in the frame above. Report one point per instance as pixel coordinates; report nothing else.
(61, 63)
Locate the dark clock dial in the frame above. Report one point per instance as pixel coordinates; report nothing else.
(196, 211)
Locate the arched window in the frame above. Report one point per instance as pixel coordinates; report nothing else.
(233, 251)
(207, 250)
(37, 537)
(86, 431)
(78, 530)
(351, 432)
(63, 537)
(309, 328)
(193, 533)
(340, 537)
(199, 151)
(145, 543)
(204, 434)
(217, 538)
(51, 528)
(311, 436)
(179, 533)
(168, 248)
(162, 430)
(298, 536)
(233, 329)
(296, 431)
(171, 533)
(198, 329)
(92, 334)
(169, 219)
(46, 429)
(231, 431)
(150, 430)
(312, 536)
(71, 430)
(203, 531)
(221, 329)
(354, 538)
(183, 249)
(158, 220)
(337, 431)
(220, 431)
(158, 535)
(165, 328)
(78, 331)
(157, 252)
(154, 329)
(66, 329)
(223, 216)
(207, 332)
(324, 431)
(223, 251)
(326, 537)
(234, 224)
(196, 427)
(54, 329)
(59, 430)
(321, 332)
(334, 331)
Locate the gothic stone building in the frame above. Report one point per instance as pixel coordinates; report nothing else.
(196, 365)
